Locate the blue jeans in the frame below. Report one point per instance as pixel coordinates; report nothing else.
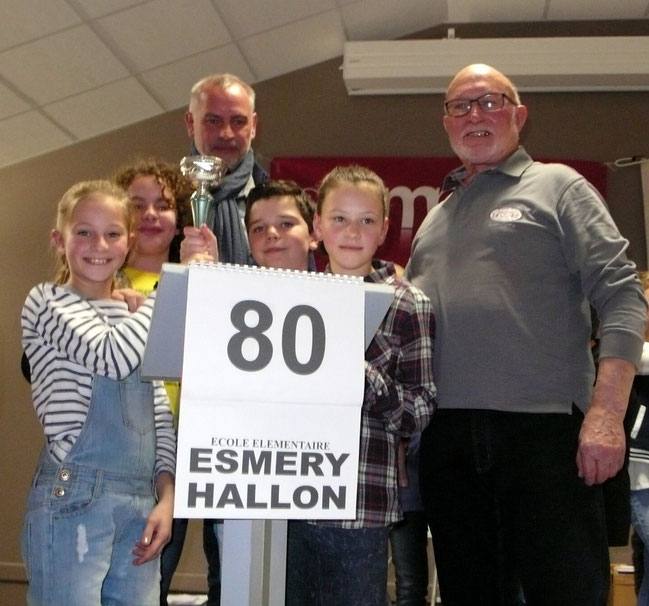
(329, 566)
(507, 509)
(173, 550)
(85, 515)
(409, 543)
(212, 537)
(88, 549)
(640, 521)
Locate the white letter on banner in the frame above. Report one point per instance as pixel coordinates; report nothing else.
(408, 197)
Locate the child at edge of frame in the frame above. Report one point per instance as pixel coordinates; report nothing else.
(100, 507)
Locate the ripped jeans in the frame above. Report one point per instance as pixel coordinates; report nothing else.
(85, 514)
(80, 554)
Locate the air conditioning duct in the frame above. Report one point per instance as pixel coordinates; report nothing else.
(399, 67)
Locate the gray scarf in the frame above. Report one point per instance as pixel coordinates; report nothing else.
(228, 226)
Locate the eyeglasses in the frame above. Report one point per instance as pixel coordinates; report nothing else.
(489, 102)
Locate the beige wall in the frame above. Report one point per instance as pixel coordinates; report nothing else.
(304, 113)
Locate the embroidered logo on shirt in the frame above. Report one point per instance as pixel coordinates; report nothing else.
(505, 215)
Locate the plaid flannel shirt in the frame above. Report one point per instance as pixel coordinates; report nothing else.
(399, 398)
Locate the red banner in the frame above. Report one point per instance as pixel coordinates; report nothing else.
(414, 184)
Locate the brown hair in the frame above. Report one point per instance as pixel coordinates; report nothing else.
(354, 175)
(272, 188)
(172, 182)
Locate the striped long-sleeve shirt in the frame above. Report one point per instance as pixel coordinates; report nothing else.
(67, 340)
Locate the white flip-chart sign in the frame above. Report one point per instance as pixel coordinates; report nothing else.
(272, 389)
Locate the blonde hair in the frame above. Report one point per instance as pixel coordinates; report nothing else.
(354, 175)
(644, 278)
(78, 192)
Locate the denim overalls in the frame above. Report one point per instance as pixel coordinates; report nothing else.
(86, 514)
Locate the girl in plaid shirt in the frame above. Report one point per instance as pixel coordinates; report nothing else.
(344, 562)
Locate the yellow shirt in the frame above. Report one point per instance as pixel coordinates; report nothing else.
(140, 280)
(145, 282)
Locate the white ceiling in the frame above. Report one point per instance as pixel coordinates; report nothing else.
(73, 69)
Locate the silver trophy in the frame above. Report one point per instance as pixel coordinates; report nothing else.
(205, 172)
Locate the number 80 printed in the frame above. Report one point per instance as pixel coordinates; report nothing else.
(289, 337)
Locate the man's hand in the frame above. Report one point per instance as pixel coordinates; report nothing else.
(198, 245)
(601, 446)
(602, 443)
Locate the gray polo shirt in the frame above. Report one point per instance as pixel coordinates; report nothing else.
(510, 263)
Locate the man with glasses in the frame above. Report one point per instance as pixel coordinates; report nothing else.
(513, 461)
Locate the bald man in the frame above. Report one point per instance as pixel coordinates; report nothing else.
(513, 461)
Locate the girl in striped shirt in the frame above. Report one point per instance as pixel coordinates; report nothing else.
(101, 503)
